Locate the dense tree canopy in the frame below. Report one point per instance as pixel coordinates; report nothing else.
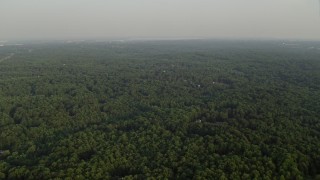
(161, 110)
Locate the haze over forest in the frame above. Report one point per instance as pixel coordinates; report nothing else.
(160, 89)
(84, 19)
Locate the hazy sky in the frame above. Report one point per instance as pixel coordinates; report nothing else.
(83, 19)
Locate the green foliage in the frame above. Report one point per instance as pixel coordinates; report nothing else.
(160, 110)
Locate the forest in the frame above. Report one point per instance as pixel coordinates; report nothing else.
(180, 109)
